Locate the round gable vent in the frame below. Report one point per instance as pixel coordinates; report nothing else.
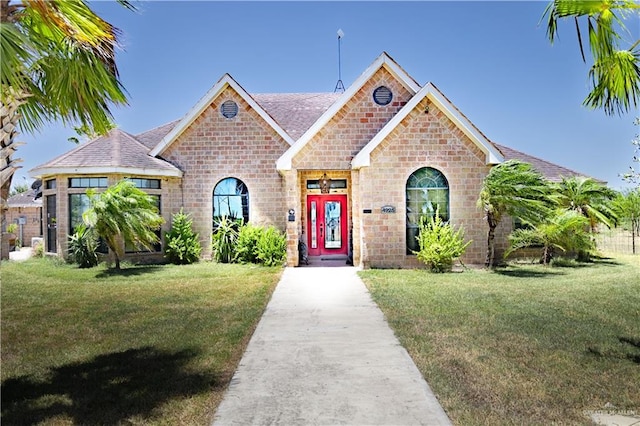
(229, 109)
(382, 95)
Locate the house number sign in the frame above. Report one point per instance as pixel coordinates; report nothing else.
(388, 209)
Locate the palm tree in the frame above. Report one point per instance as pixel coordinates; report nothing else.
(562, 230)
(123, 212)
(588, 197)
(615, 73)
(513, 188)
(57, 62)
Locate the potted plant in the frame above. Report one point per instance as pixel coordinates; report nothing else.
(12, 228)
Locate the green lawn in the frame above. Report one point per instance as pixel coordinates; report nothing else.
(149, 345)
(523, 345)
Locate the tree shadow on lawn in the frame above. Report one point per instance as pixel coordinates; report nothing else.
(542, 272)
(106, 390)
(629, 351)
(131, 271)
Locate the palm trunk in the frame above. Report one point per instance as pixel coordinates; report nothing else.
(491, 238)
(9, 117)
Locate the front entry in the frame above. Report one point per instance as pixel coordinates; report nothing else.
(327, 224)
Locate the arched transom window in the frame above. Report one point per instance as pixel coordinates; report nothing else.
(231, 199)
(427, 192)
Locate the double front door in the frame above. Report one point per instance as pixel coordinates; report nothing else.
(327, 224)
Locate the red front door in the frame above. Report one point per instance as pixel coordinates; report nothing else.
(327, 224)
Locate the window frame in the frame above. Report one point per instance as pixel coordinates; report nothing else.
(245, 200)
(88, 182)
(412, 223)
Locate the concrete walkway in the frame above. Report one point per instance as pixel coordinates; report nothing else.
(324, 354)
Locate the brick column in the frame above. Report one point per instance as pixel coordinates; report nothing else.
(291, 194)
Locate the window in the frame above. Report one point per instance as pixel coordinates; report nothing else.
(335, 184)
(427, 192)
(382, 95)
(78, 204)
(146, 183)
(88, 182)
(231, 199)
(130, 248)
(50, 184)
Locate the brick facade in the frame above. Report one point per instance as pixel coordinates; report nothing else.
(411, 132)
(214, 148)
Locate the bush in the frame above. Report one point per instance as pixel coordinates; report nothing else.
(38, 250)
(247, 244)
(272, 247)
(83, 245)
(224, 240)
(439, 244)
(182, 244)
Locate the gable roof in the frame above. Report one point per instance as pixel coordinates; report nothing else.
(115, 152)
(431, 92)
(205, 101)
(151, 138)
(25, 199)
(551, 171)
(384, 60)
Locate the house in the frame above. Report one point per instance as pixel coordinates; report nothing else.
(25, 211)
(347, 173)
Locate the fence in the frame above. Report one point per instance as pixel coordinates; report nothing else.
(617, 241)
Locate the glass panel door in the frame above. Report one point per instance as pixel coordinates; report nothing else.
(332, 223)
(327, 224)
(52, 226)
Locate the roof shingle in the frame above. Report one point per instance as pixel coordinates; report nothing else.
(115, 149)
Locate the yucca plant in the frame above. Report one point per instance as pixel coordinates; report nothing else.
(224, 240)
(83, 246)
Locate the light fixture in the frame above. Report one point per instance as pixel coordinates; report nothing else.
(325, 184)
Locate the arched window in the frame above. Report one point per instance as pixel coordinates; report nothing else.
(231, 199)
(427, 192)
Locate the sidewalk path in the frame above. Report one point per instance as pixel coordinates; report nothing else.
(324, 354)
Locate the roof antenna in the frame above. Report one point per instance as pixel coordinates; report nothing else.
(339, 85)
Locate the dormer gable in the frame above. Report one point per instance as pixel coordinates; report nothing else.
(383, 61)
(225, 82)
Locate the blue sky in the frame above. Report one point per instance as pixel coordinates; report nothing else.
(491, 59)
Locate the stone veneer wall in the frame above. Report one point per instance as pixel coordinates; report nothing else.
(244, 147)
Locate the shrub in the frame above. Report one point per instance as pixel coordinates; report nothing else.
(224, 239)
(83, 245)
(272, 247)
(439, 244)
(182, 244)
(38, 250)
(247, 244)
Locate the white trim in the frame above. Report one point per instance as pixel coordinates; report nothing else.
(492, 155)
(384, 60)
(205, 101)
(49, 171)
